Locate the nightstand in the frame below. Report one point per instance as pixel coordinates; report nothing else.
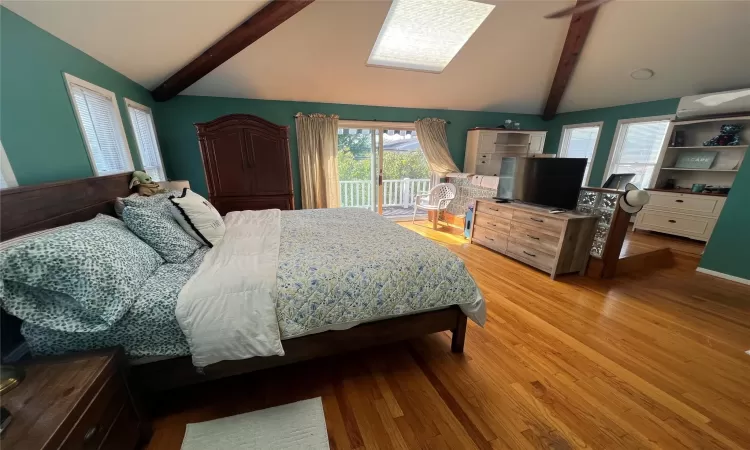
(76, 401)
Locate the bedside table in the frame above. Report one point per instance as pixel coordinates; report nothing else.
(81, 400)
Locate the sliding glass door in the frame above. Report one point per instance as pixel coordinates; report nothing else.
(381, 167)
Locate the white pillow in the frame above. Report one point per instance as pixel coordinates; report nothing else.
(198, 217)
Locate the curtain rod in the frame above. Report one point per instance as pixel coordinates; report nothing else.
(447, 122)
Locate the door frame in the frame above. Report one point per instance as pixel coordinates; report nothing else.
(377, 145)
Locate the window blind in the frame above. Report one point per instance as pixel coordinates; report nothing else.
(145, 134)
(639, 145)
(580, 143)
(101, 130)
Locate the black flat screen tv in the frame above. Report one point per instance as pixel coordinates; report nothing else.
(553, 182)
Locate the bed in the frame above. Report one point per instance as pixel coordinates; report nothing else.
(351, 255)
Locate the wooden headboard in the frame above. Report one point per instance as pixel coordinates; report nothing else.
(26, 209)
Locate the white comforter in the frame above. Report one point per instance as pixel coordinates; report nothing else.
(227, 310)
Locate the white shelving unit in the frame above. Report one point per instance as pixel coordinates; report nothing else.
(679, 211)
(724, 168)
(492, 151)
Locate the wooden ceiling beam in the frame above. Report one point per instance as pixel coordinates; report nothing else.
(256, 26)
(578, 31)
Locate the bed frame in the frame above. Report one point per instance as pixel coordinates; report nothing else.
(28, 209)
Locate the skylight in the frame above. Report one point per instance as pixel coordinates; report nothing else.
(426, 34)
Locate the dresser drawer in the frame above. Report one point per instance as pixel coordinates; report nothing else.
(489, 238)
(494, 223)
(684, 225)
(91, 429)
(550, 225)
(534, 237)
(495, 209)
(686, 204)
(536, 258)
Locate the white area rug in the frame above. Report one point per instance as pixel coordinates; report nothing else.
(299, 425)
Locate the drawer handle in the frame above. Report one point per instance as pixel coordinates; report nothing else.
(532, 237)
(494, 209)
(90, 433)
(490, 239)
(493, 224)
(672, 221)
(536, 220)
(680, 201)
(530, 254)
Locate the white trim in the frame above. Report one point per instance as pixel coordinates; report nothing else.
(7, 169)
(564, 141)
(131, 104)
(618, 138)
(723, 275)
(70, 80)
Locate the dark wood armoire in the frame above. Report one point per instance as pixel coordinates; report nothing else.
(247, 163)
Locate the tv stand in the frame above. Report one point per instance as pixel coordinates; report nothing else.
(554, 243)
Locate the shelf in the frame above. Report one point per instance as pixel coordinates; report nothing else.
(511, 145)
(708, 147)
(700, 170)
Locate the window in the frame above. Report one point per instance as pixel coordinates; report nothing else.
(426, 34)
(580, 141)
(7, 178)
(636, 148)
(145, 135)
(101, 126)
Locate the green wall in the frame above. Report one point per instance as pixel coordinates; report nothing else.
(728, 251)
(179, 143)
(38, 127)
(609, 116)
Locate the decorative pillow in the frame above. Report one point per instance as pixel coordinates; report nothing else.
(82, 277)
(157, 227)
(198, 217)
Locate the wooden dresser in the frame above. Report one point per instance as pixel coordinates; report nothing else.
(247, 163)
(80, 401)
(553, 243)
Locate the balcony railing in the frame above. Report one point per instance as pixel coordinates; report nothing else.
(358, 194)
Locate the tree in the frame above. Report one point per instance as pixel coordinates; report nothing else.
(396, 166)
(359, 144)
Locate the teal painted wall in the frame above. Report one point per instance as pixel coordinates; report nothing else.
(179, 144)
(609, 116)
(728, 251)
(38, 127)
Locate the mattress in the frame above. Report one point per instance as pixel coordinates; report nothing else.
(337, 269)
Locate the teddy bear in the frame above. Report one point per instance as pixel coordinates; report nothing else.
(729, 135)
(146, 185)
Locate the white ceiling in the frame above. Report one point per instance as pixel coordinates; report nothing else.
(320, 54)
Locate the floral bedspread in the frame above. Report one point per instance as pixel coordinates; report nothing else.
(347, 266)
(337, 268)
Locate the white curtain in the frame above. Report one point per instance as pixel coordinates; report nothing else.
(317, 145)
(434, 143)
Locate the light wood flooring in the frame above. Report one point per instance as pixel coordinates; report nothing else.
(641, 361)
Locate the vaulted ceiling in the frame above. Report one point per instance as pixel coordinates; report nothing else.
(320, 54)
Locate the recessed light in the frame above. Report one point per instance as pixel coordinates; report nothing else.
(425, 35)
(641, 74)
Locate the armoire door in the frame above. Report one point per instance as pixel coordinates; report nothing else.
(247, 163)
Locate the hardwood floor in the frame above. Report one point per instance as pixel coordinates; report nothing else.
(647, 241)
(640, 361)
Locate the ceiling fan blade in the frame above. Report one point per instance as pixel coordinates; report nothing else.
(576, 9)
